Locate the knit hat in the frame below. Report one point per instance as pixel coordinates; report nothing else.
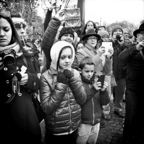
(55, 51)
(117, 27)
(66, 30)
(103, 33)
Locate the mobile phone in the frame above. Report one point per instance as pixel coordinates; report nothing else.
(101, 79)
(107, 45)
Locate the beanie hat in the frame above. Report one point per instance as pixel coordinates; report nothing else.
(117, 27)
(103, 33)
(66, 30)
(55, 51)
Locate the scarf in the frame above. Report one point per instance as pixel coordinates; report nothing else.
(14, 46)
(88, 81)
(8, 48)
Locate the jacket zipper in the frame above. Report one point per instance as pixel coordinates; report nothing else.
(68, 91)
(93, 110)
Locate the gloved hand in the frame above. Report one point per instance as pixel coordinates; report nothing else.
(68, 74)
(61, 78)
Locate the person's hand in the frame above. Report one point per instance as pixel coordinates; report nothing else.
(110, 53)
(38, 75)
(60, 15)
(68, 74)
(24, 78)
(1, 62)
(105, 85)
(61, 78)
(101, 50)
(140, 45)
(121, 41)
(96, 84)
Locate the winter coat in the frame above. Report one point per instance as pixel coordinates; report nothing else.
(61, 103)
(135, 68)
(92, 108)
(18, 117)
(99, 68)
(118, 70)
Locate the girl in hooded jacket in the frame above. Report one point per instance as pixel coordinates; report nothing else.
(61, 94)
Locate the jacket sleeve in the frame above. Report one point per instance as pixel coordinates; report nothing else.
(51, 99)
(107, 66)
(91, 94)
(49, 38)
(77, 88)
(127, 54)
(47, 19)
(33, 82)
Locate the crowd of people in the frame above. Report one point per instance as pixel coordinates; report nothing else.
(72, 77)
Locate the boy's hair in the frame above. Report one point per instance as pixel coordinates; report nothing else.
(84, 61)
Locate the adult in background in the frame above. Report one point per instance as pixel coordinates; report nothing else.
(118, 70)
(134, 119)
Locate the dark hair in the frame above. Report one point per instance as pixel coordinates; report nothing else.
(61, 53)
(86, 60)
(84, 30)
(15, 37)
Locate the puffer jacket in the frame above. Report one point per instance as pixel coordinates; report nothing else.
(61, 103)
(49, 38)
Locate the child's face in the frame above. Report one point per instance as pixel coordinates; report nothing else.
(88, 71)
(65, 60)
(68, 38)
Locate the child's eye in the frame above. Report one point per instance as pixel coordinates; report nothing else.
(63, 57)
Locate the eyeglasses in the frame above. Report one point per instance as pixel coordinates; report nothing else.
(92, 38)
(20, 25)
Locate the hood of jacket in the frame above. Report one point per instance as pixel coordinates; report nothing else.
(55, 51)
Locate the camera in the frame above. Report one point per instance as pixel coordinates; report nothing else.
(8, 57)
(118, 37)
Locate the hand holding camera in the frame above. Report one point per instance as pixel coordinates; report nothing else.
(140, 45)
(105, 85)
(120, 39)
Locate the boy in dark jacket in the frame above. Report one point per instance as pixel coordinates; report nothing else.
(92, 108)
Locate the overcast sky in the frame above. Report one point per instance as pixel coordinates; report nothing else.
(114, 10)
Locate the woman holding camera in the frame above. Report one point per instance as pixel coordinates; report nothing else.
(18, 83)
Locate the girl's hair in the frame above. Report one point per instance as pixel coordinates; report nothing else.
(84, 30)
(84, 61)
(61, 53)
(15, 37)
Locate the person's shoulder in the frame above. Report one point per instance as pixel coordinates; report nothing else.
(76, 73)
